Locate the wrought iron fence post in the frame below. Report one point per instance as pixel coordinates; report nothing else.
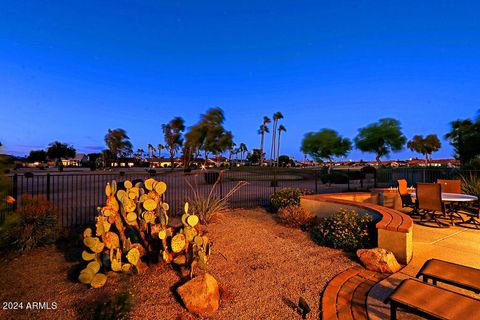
(316, 180)
(274, 180)
(15, 191)
(348, 179)
(220, 178)
(375, 178)
(48, 186)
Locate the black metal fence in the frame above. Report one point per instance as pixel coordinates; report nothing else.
(77, 195)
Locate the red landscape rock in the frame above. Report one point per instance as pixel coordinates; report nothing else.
(379, 260)
(200, 295)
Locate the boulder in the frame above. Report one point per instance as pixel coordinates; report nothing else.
(379, 260)
(200, 295)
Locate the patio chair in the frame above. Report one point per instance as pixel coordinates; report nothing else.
(450, 273)
(473, 214)
(432, 302)
(407, 201)
(429, 202)
(450, 186)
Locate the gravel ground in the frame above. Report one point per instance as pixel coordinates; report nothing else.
(262, 268)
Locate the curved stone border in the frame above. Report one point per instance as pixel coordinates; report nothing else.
(345, 296)
(394, 229)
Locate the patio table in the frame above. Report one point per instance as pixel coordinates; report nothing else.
(454, 197)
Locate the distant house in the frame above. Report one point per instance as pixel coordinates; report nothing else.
(80, 159)
(156, 162)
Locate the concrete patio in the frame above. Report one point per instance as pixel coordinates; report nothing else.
(456, 244)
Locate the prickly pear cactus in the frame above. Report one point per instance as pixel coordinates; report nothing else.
(126, 227)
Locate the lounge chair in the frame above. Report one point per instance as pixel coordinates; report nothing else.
(450, 273)
(432, 302)
(429, 202)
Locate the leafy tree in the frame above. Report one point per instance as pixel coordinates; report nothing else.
(276, 117)
(325, 144)
(263, 129)
(465, 139)
(37, 156)
(95, 160)
(172, 133)
(381, 138)
(281, 129)
(425, 146)
(255, 156)
(118, 143)
(209, 135)
(57, 150)
(284, 161)
(139, 153)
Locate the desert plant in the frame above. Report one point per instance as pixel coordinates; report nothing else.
(117, 308)
(285, 197)
(33, 225)
(471, 184)
(208, 206)
(295, 216)
(345, 229)
(132, 229)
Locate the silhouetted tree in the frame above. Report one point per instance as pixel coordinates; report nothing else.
(325, 144)
(425, 146)
(172, 133)
(118, 143)
(382, 137)
(262, 131)
(465, 139)
(37, 156)
(57, 150)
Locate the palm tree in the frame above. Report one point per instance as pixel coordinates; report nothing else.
(242, 149)
(263, 129)
(276, 116)
(151, 150)
(139, 153)
(280, 129)
(160, 147)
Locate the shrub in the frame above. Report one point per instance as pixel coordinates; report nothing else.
(335, 177)
(295, 216)
(36, 224)
(208, 206)
(211, 177)
(471, 184)
(285, 197)
(117, 308)
(346, 229)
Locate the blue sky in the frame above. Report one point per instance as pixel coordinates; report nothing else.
(70, 70)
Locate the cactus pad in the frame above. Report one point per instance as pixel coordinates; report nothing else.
(127, 184)
(165, 206)
(87, 256)
(111, 240)
(87, 233)
(108, 190)
(149, 183)
(116, 265)
(94, 266)
(185, 208)
(192, 220)
(189, 232)
(160, 187)
(98, 280)
(181, 259)
(86, 276)
(150, 204)
(133, 256)
(98, 247)
(131, 217)
(178, 243)
(162, 234)
(149, 217)
(198, 240)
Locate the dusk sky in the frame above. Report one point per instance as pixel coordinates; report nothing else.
(70, 70)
